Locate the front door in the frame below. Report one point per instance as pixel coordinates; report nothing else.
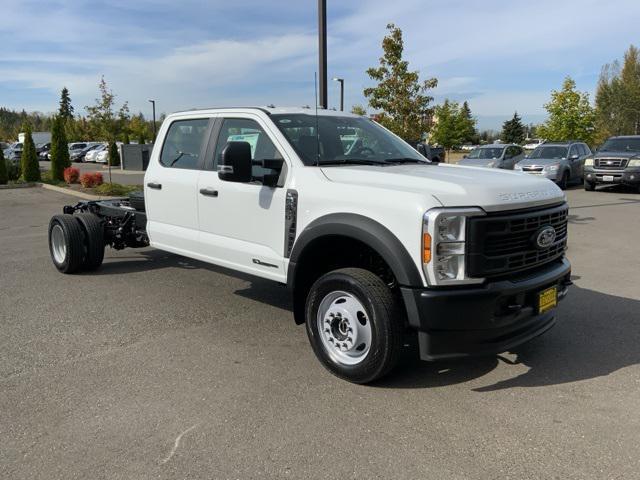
(242, 225)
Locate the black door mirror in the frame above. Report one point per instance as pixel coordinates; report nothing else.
(235, 162)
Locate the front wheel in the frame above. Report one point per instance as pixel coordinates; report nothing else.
(589, 186)
(354, 324)
(564, 181)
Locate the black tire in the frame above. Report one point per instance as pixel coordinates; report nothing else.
(136, 200)
(381, 309)
(93, 230)
(68, 253)
(564, 181)
(589, 186)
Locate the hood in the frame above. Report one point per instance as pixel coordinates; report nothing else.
(479, 162)
(610, 154)
(453, 185)
(540, 161)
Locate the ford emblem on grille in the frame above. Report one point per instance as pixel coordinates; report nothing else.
(545, 237)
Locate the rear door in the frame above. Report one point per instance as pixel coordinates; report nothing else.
(171, 185)
(242, 225)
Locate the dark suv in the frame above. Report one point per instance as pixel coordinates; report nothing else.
(617, 162)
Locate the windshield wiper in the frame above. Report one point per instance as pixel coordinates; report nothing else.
(351, 161)
(405, 160)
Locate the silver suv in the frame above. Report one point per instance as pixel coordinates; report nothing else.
(562, 162)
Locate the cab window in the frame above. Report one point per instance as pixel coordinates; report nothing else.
(183, 143)
(246, 130)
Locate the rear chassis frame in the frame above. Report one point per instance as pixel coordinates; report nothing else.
(124, 226)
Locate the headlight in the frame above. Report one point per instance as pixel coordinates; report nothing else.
(551, 168)
(588, 162)
(634, 163)
(517, 167)
(444, 245)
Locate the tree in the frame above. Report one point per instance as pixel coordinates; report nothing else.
(59, 150)
(466, 124)
(3, 169)
(108, 123)
(66, 109)
(570, 115)
(29, 162)
(617, 103)
(513, 130)
(401, 98)
(446, 125)
(114, 156)
(358, 110)
(139, 128)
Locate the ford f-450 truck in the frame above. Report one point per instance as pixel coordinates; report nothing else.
(374, 241)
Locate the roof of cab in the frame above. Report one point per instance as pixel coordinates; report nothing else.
(271, 110)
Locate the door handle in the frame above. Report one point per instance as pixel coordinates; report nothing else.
(154, 185)
(208, 192)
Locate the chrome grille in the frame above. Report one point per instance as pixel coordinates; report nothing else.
(611, 163)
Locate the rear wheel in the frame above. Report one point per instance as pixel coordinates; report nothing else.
(66, 243)
(354, 324)
(93, 240)
(589, 186)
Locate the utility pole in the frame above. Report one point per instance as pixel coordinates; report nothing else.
(153, 102)
(341, 81)
(322, 53)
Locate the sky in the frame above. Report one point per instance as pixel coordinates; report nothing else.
(501, 56)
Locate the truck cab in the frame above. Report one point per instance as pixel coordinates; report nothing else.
(375, 242)
(617, 162)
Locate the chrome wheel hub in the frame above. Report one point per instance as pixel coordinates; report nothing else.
(344, 328)
(58, 246)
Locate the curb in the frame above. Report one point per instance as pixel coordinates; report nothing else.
(68, 191)
(18, 185)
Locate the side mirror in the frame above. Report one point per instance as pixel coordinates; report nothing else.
(235, 162)
(574, 157)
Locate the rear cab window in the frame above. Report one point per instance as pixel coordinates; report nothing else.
(183, 143)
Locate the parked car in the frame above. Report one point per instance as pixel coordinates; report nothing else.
(4, 146)
(500, 155)
(532, 143)
(77, 146)
(561, 162)
(92, 154)
(375, 245)
(103, 155)
(14, 152)
(78, 155)
(467, 147)
(617, 162)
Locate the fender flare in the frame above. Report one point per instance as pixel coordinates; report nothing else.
(368, 231)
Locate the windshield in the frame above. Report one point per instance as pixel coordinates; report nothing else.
(342, 140)
(622, 145)
(486, 153)
(549, 152)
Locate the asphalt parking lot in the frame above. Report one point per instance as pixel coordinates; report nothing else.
(157, 366)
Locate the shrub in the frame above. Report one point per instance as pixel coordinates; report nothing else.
(13, 171)
(114, 155)
(116, 190)
(71, 175)
(91, 179)
(97, 179)
(59, 149)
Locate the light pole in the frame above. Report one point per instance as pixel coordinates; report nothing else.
(341, 80)
(153, 102)
(322, 52)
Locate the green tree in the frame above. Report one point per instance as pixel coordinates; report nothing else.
(29, 162)
(446, 126)
(3, 169)
(358, 110)
(513, 130)
(59, 149)
(114, 156)
(66, 109)
(399, 95)
(571, 117)
(466, 124)
(617, 101)
(108, 123)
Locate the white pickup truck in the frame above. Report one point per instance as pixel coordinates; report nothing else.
(374, 241)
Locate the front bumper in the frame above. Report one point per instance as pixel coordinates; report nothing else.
(489, 319)
(628, 176)
(553, 176)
